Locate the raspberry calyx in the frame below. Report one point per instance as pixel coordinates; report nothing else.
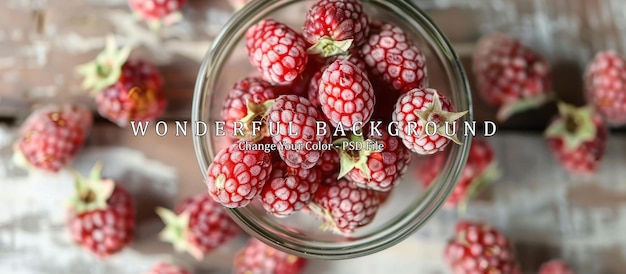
(106, 68)
(176, 232)
(576, 126)
(92, 193)
(327, 47)
(355, 156)
(256, 114)
(435, 114)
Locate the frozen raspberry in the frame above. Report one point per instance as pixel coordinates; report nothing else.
(277, 51)
(479, 171)
(389, 53)
(335, 26)
(257, 257)
(237, 176)
(510, 76)
(578, 139)
(314, 83)
(292, 123)
(289, 189)
(377, 163)
(246, 104)
(605, 84)
(199, 226)
(425, 120)
(343, 206)
(480, 248)
(346, 95)
(555, 266)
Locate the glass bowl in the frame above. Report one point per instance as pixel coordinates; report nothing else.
(408, 207)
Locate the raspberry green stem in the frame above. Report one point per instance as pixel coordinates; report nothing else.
(509, 109)
(91, 193)
(575, 126)
(329, 223)
(489, 175)
(434, 113)
(353, 158)
(255, 112)
(177, 232)
(327, 47)
(106, 68)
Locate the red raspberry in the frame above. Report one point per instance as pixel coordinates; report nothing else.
(480, 248)
(510, 76)
(289, 189)
(390, 55)
(237, 176)
(157, 11)
(199, 226)
(343, 206)
(605, 84)
(168, 268)
(101, 215)
(555, 266)
(257, 257)
(277, 51)
(578, 139)
(127, 90)
(480, 170)
(378, 164)
(51, 137)
(313, 88)
(335, 26)
(292, 122)
(346, 95)
(247, 103)
(421, 116)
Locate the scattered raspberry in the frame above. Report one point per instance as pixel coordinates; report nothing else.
(101, 216)
(389, 54)
(199, 226)
(511, 76)
(257, 257)
(578, 139)
(156, 12)
(237, 176)
(343, 206)
(605, 83)
(51, 137)
(276, 50)
(346, 95)
(335, 26)
(289, 189)
(555, 266)
(480, 248)
(425, 120)
(127, 90)
(295, 114)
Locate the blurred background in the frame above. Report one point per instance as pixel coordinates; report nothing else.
(547, 213)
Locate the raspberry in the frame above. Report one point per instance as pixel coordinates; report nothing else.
(378, 164)
(257, 257)
(480, 170)
(335, 26)
(199, 226)
(511, 76)
(578, 139)
(313, 89)
(246, 103)
(277, 51)
(52, 136)
(346, 95)
(296, 115)
(156, 12)
(605, 85)
(390, 55)
(425, 120)
(555, 266)
(480, 248)
(343, 206)
(237, 176)
(289, 189)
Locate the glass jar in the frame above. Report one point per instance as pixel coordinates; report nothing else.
(408, 207)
